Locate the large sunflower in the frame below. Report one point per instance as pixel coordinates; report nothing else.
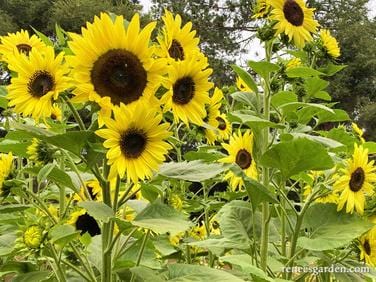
(113, 65)
(94, 189)
(294, 19)
(135, 139)
(177, 42)
(40, 78)
(84, 222)
(355, 181)
(368, 247)
(330, 44)
(187, 94)
(19, 42)
(240, 152)
(216, 120)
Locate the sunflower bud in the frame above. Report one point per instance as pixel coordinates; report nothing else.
(33, 236)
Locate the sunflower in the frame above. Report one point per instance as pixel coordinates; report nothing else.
(242, 86)
(94, 189)
(368, 247)
(330, 44)
(40, 152)
(240, 152)
(33, 236)
(294, 19)
(56, 113)
(293, 63)
(135, 139)
(261, 9)
(358, 131)
(355, 181)
(316, 176)
(20, 42)
(177, 42)
(84, 222)
(113, 65)
(216, 120)
(176, 202)
(41, 77)
(6, 166)
(187, 93)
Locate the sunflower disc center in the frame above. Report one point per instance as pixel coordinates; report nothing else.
(24, 48)
(184, 90)
(133, 143)
(40, 84)
(367, 247)
(357, 180)
(86, 223)
(293, 12)
(176, 51)
(222, 123)
(120, 75)
(243, 159)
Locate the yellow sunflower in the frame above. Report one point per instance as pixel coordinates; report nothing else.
(330, 44)
(356, 181)
(19, 42)
(261, 9)
(84, 222)
(358, 131)
(294, 19)
(56, 113)
(94, 189)
(315, 176)
(187, 94)
(240, 152)
(6, 166)
(113, 65)
(40, 152)
(293, 63)
(242, 86)
(176, 202)
(177, 42)
(136, 142)
(33, 236)
(40, 78)
(368, 247)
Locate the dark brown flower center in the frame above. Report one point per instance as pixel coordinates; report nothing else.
(87, 223)
(176, 51)
(221, 123)
(133, 143)
(24, 48)
(40, 84)
(357, 180)
(120, 75)
(243, 159)
(183, 90)
(367, 247)
(293, 12)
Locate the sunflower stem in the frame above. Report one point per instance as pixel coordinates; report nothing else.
(75, 113)
(142, 248)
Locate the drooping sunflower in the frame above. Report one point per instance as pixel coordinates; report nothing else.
(330, 44)
(240, 152)
(6, 166)
(177, 42)
(242, 86)
(40, 78)
(19, 42)
(355, 181)
(294, 19)
(84, 222)
(94, 189)
(136, 142)
(368, 247)
(358, 131)
(187, 94)
(40, 152)
(113, 65)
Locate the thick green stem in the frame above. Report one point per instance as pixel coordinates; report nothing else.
(142, 248)
(59, 271)
(76, 115)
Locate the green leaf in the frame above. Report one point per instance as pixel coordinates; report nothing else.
(59, 34)
(45, 171)
(98, 210)
(246, 77)
(191, 171)
(314, 84)
(17, 266)
(7, 242)
(335, 116)
(332, 69)
(296, 156)
(283, 97)
(188, 273)
(323, 95)
(302, 72)
(371, 146)
(254, 121)
(63, 234)
(235, 221)
(146, 274)
(330, 229)
(13, 208)
(258, 193)
(213, 244)
(246, 98)
(17, 148)
(3, 99)
(150, 192)
(263, 68)
(244, 262)
(204, 156)
(340, 135)
(328, 142)
(35, 276)
(296, 105)
(161, 218)
(73, 141)
(44, 38)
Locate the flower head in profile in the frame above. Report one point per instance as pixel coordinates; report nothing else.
(242, 86)
(355, 181)
(40, 152)
(367, 246)
(293, 19)
(6, 167)
(358, 131)
(329, 44)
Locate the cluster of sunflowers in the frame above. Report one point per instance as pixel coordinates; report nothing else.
(143, 95)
